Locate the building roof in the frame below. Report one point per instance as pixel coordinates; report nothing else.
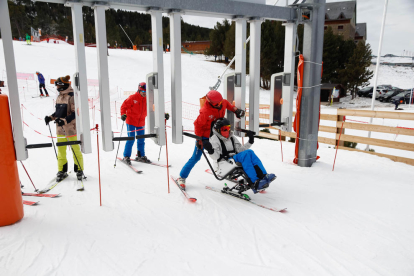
(361, 29)
(336, 9)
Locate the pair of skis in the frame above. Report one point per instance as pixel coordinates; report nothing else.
(227, 192)
(32, 203)
(139, 171)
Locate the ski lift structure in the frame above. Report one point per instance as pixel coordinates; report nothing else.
(243, 12)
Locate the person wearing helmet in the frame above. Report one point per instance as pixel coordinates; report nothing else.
(214, 109)
(226, 151)
(134, 111)
(41, 84)
(64, 117)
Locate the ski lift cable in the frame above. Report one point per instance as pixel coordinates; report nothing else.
(126, 35)
(217, 85)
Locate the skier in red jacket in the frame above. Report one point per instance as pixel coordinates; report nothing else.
(214, 109)
(134, 111)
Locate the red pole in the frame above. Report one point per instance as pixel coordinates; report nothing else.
(29, 176)
(280, 139)
(99, 165)
(166, 152)
(337, 145)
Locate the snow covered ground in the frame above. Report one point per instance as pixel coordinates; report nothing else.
(356, 220)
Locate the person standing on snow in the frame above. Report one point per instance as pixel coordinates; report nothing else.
(41, 84)
(226, 151)
(64, 117)
(213, 109)
(134, 111)
(28, 39)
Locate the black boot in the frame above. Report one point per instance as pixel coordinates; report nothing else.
(142, 159)
(79, 174)
(60, 176)
(127, 160)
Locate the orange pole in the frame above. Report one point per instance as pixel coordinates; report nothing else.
(337, 145)
(11, 204)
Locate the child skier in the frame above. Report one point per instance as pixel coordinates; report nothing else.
(28, 38)
(134, 111)
(214, 109)
(226, 150)
(64, 117)
(41, 84)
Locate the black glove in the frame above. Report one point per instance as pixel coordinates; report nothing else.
(123, 117)
(207, 145)
(48, 119)
(199, 144)
(251, 137)
(60, 122)
(239, 113)
(167, 116)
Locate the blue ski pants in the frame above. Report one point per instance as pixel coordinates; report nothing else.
(130, 143)
(185, 171)
(249, 159)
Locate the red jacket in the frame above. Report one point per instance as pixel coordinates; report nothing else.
(208, 115)
(135, 107)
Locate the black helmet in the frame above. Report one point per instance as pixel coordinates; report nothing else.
(221, 123)
(63, 83)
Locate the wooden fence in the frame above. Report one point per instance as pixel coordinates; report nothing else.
(339, 118)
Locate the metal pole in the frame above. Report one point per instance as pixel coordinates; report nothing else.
(374, 92)
(126, 34)
(116, 157)
(240, 67)
(6, 34)
(51, 136)
(411, 98)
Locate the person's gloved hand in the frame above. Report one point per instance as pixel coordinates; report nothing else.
(167, 116)
(123, 117)
(251, 137)
(199, 144)
(48, 119)
(239, 113)
(60, 122)
(207, 145)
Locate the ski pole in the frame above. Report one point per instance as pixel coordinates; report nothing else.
(159, 154)
(74, 154)
(116, 157)
(51, 136)
(36, 190)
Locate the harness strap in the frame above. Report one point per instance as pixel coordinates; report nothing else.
(224, 152)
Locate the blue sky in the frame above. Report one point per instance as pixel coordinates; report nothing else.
(398, 32)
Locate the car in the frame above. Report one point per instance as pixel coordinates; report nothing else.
(402, 98)
(387, 96)
(364, 91)
(381, 90)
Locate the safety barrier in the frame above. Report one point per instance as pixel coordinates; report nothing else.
(343, 122)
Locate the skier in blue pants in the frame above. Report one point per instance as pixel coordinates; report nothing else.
(223, 147)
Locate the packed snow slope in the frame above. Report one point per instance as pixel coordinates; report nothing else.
(356, 220)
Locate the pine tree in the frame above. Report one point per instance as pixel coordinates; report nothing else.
(356, 72)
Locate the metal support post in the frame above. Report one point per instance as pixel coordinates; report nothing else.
(81, 85)
(176, 82)
(240, 72)
(254, 66)
(158, 68)
(289, 70)
(101, 45)
(14, 101)
(312, 52)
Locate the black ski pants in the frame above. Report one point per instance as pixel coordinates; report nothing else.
(44, 87)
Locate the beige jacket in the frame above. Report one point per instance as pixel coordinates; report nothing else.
(65, 110)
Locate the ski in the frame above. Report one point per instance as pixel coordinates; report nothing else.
(134, 169)
(52, 185)
(41, 195)
(191, 199)
(31, 203)
(151, 163)
(79, 186)
(245, 198)
(235, 181)
(37, 96)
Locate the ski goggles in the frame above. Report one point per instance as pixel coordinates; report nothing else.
(142, 88)
(225, 128)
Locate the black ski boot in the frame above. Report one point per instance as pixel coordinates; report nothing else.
(142, 159)
(79, 175)
(127, 160)
(61, 175)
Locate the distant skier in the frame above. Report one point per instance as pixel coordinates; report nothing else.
(41, 84)
(47, 39)
(226, 150)
(28, 39)
(64, 117)
(134, 111)
(213, 109)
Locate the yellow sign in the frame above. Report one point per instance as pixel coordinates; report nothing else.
(244, 45)
(81, 38)
(160, 41)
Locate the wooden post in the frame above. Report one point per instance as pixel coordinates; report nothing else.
(340, 118)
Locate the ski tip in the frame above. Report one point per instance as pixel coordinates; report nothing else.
(283, 210)
(192, 199)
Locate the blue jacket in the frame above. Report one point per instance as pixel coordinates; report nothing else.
(41, 78)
